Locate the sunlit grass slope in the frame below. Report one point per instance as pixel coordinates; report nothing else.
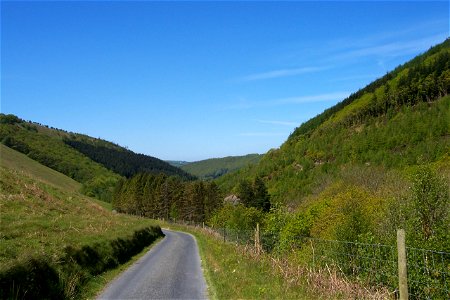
(12, 159)
(44, 219)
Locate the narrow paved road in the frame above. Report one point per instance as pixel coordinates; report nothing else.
(170, 270)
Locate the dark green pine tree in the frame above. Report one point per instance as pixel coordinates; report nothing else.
(245, 192)
(261, 198)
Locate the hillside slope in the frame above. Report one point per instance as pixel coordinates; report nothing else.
(399, 120)
(96, 163)
(21, 163)
(216, 167)
(122, 161)
(377, 162)
(54, 239)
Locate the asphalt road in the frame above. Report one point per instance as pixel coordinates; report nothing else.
(170, 270)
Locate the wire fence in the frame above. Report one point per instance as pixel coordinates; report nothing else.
(374, 265)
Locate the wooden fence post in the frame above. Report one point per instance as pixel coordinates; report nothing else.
(257, 239)
(402, 268)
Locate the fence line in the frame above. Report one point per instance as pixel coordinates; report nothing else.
(375, 265)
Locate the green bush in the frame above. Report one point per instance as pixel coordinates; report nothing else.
(237, 217)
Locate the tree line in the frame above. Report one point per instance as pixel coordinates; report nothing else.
(167, 197)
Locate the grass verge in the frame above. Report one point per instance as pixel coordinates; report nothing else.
(231, 274)
(239, 272)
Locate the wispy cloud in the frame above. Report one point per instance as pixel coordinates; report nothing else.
(331, 97)
(282, 123)
(356, 77)
(261, 134)
(311, 98)
(393, 49)
(281, 73)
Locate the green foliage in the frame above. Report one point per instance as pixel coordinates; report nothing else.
(9, 119)
(430, 199)
(298, 225)
(356, 221)
(415, 135)
(216, 167)
(254, 194)
(237, 217)
(343, 174)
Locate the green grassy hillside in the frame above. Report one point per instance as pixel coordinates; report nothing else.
(14, 160)
(47, 226)
(216, 167)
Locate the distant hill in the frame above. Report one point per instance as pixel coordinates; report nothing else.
(397, 121)
(177, 163)
(215, 167)
(123, 161)
(96, 164)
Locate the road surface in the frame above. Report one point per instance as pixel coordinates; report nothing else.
(170, 270)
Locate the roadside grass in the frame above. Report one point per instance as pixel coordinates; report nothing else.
(231, 274)
(239, 272)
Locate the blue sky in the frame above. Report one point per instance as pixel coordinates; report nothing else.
(195, 80)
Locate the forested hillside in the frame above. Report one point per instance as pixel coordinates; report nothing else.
(377, 161)
(96, 163)
(123, 161)
(397, 121)
(215, 167)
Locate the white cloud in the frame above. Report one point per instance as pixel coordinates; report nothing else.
(281, 73)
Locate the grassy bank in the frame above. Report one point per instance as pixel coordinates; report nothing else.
(53, 240)
(97, 283)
